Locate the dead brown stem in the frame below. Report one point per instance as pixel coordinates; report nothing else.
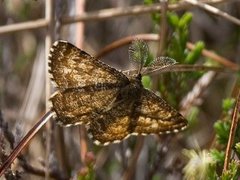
(155, 37)
(130, 11)
(128, 175)
(80, 27)
(232, 133)
(215, 11)
(99, 15)
(25, 141)
(163, 28)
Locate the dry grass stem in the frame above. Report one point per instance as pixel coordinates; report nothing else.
(232, 133)
(155, 37)
(194, 97)
(16, 151)
(130, 11)
(36, 24)
(215, 11)
(128, 175)
(163, 29)
(80, 27)
(99, 15)
(49, 15)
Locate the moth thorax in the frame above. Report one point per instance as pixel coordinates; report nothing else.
(136, 83)
(132, 90)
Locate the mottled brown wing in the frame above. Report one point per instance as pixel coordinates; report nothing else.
(152, 116)
(86, 85)
(156, 116)
(71, 67)
(76, 106)
(111, 126)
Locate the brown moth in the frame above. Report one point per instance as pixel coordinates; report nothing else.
(110, 104)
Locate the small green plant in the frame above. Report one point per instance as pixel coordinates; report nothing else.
(216, 156)
(200, 166)
(233, 172)
(177, 49)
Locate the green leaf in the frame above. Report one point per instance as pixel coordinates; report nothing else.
(232, 173)
(147, 82)
(211, 172)
(228, 104)
(218, 156)
(148, 2)
(185, 20)
(172, 19)
(193, 56)
(237, 146)
(222, 130)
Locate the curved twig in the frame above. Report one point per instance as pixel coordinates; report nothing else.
(25, 141)
(155, 37)
(232, 133)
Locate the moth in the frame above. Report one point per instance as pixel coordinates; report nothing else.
(109, 103)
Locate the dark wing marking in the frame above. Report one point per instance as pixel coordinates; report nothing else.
(111, 126)
(153, 116)
(75, 106)
(156, 116)
(71, 67)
